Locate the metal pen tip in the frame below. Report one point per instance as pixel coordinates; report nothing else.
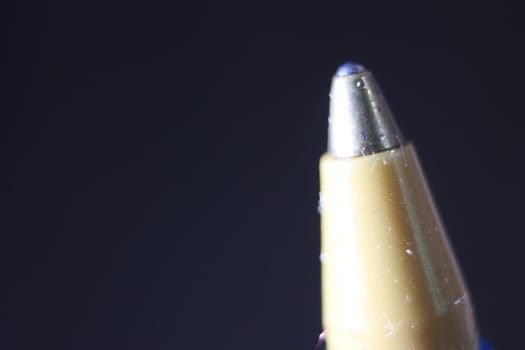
(349, 68)
(360, 121)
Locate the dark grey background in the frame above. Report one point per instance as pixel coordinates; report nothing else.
(162, 163)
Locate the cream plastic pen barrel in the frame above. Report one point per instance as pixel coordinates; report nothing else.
(390, 280)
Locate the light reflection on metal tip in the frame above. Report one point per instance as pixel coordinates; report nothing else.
(349, 68)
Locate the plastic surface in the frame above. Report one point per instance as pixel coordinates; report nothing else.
(483, 345)
(389, 277)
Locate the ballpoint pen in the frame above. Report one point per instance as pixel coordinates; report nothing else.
(389, 277)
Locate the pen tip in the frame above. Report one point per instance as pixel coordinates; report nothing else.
(360, 121)
(349, 68)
